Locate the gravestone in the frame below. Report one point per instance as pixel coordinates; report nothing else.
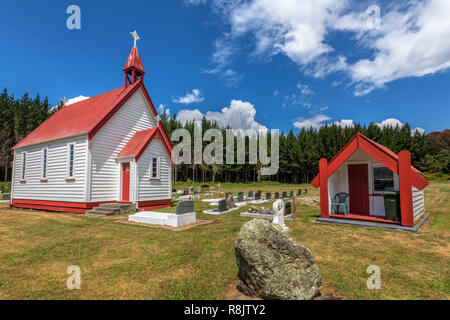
(284, 194)
(268, 196)
(185, 207)
(258, 196)
(240, 197)
(229, 200)
(265, 211)
(299, 191)
(191, 190)
(250, 194)
(287, 208)
(222, 205)
(277, 195)
(291, 194)
(306, 191)
(279, 208)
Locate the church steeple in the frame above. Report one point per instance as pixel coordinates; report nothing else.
(134, 69)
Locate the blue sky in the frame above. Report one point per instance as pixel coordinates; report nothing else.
(250, 64)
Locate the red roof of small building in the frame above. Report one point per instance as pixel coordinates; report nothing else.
(376, 150)
(140, 141)
(134, 61)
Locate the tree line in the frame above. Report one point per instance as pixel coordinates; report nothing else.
(18, 117)
(299, 152)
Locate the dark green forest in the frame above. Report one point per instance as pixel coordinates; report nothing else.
(299, 152)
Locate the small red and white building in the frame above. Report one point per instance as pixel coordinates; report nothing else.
(366, 170)
(109, 148)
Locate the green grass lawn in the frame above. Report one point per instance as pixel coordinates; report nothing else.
(120, 261)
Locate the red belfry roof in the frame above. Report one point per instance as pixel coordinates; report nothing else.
(376, 150)
(134, 61)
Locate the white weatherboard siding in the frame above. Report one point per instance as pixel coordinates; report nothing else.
(418, 203)
(133, 116)
(56, 188)
(154, 189)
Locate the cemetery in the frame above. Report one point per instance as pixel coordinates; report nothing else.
(183, 264)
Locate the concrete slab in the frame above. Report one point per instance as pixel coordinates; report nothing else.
(163, 219)
(375, 224)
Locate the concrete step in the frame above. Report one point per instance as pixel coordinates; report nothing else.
(122, 207)
(104, 211)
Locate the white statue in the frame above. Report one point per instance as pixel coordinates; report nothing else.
(278, 211)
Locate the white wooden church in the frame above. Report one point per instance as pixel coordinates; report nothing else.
(106, 149)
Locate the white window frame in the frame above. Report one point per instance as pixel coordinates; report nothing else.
(158, 168)
(69, 176)
(23, 167)
(44, 168)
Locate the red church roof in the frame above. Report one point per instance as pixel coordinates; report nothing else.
(140, 141)
(134, 61)
(87, 116)
(376, 150)
(78, 118)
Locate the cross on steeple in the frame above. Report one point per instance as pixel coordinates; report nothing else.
(135, 36)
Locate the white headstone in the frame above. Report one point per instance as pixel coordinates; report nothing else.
(278, 212)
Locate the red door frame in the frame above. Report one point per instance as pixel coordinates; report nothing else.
(358, 185)
(125, 182)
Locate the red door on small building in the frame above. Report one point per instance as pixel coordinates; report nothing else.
(358, 183)
(126, 181)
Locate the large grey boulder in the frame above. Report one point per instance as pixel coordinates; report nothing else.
(274, 266)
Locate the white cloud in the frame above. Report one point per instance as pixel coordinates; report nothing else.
(305, 89)
(238, 115)
(316, 121)
(412, 40)
(221, 59)
(195, 2)
(194, 96)
(418, 130)
(320, 119)
(391, 122)
(75, 100)
(345, 123)
(162, 109)
(189, 115)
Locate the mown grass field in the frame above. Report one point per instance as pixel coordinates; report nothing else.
(120, 261)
